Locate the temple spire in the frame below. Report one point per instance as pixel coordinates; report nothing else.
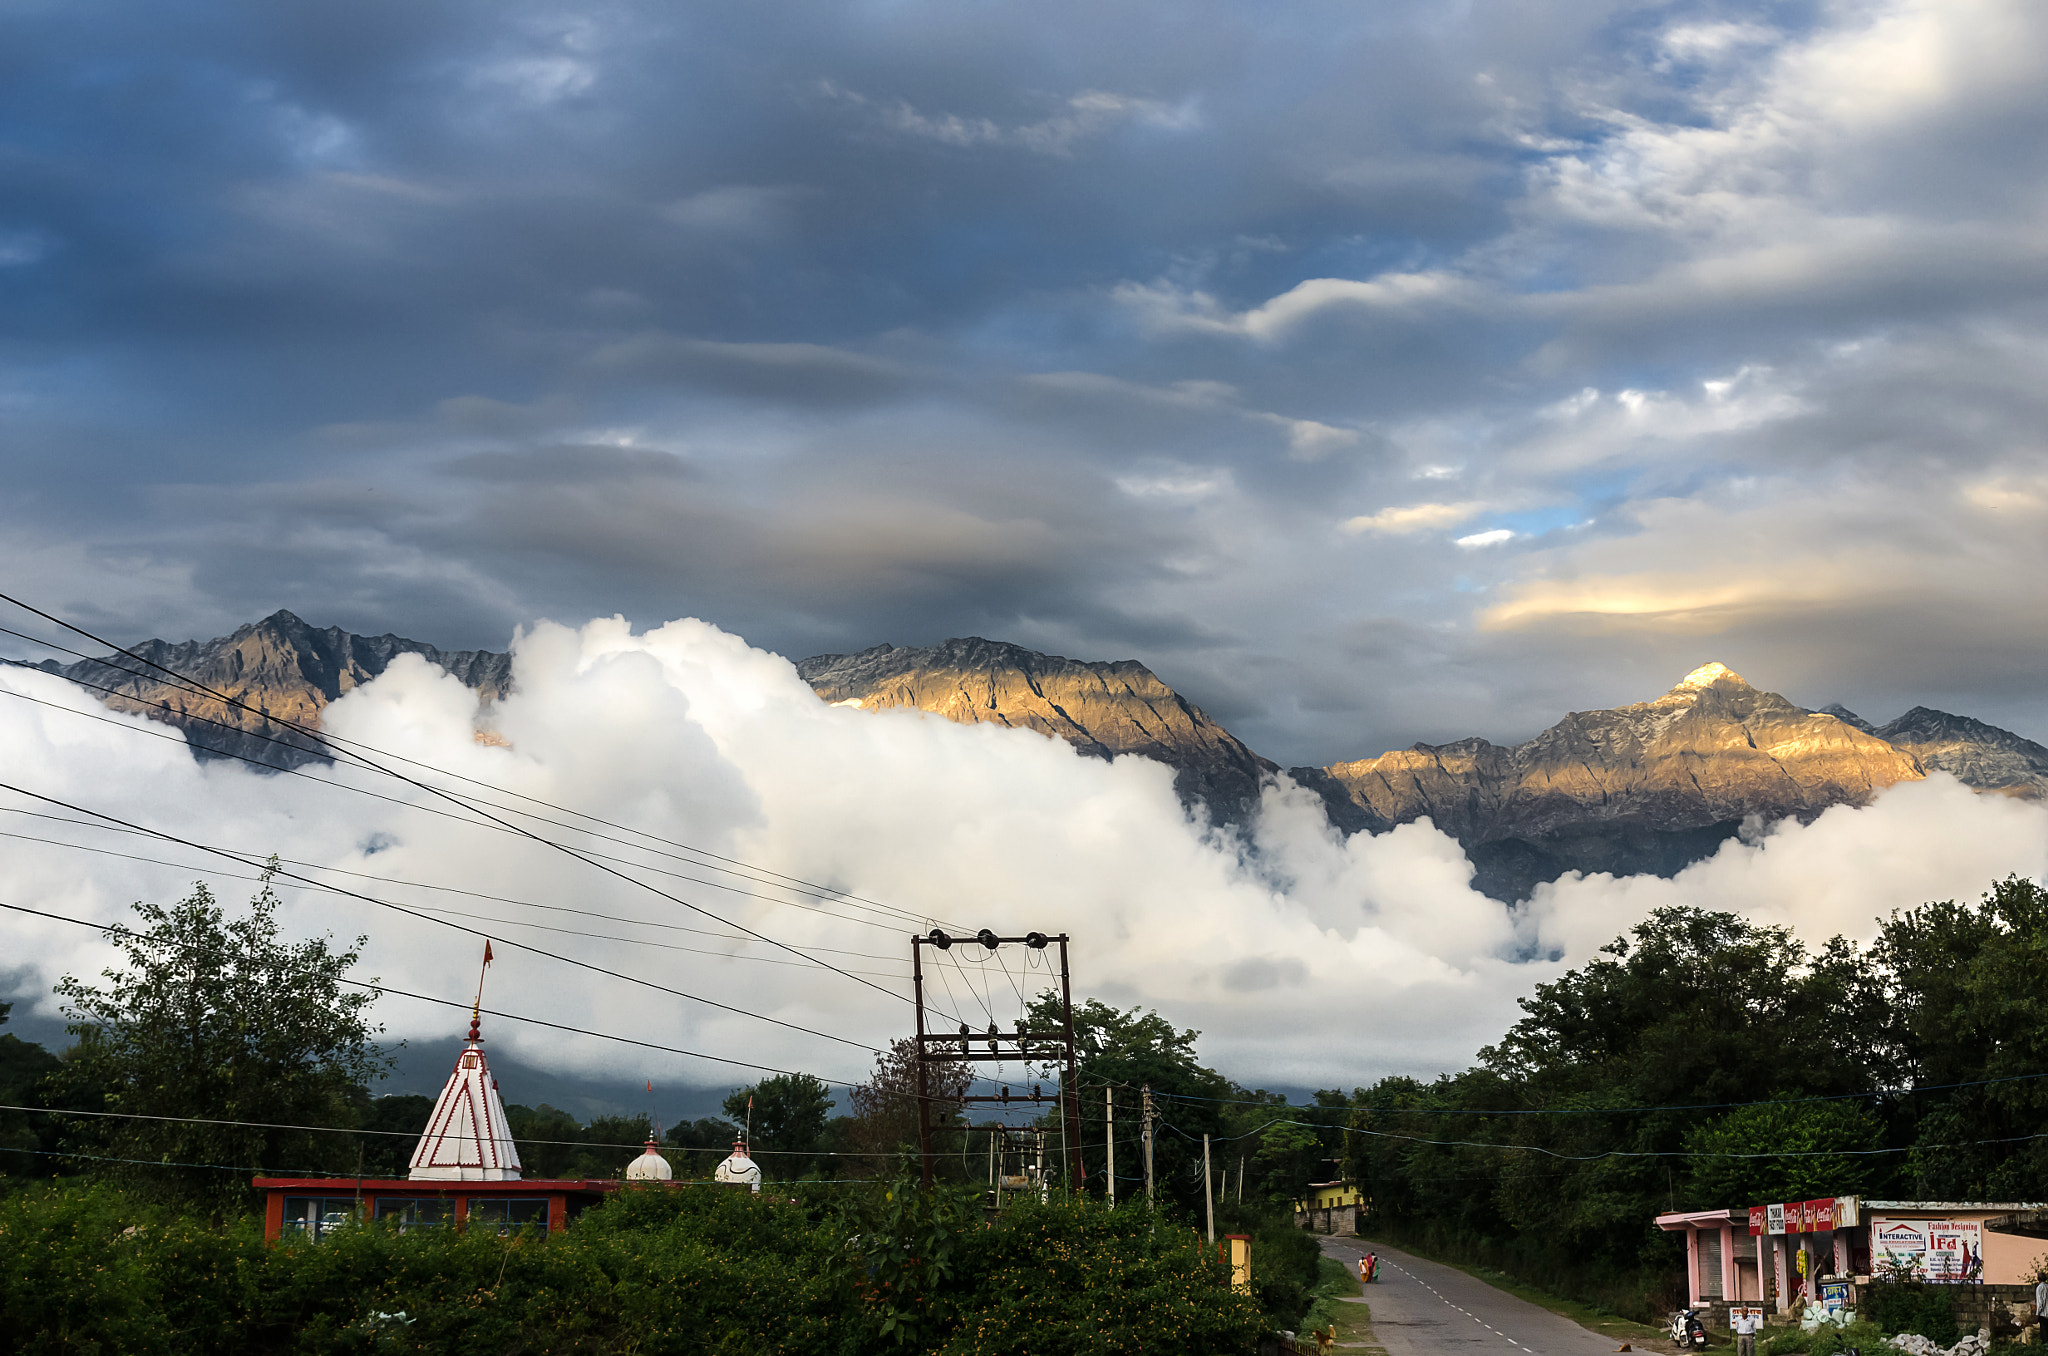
(468, 1138)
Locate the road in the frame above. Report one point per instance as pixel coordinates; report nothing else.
(1421, 1308)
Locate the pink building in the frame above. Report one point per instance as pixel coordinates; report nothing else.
(1752, 1254)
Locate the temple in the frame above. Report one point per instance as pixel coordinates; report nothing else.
(465, 1173)
(467, 1138)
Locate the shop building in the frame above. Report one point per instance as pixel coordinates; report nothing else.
(1784, 1256)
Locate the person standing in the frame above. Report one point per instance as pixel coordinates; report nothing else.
(1745, 1332)
(2040, 1306)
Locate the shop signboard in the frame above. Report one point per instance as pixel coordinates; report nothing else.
(1820, 1215)
(1834, 1296)
(1848, 1212)
(1759, 1221)
(1899, 1245)
(1955, 1251)
(1774, 1219)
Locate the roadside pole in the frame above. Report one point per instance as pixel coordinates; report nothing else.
(1149, 1198)
(1109, 1133)
(1208, 1196)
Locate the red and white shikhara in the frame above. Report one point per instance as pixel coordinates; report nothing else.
(467, 1139)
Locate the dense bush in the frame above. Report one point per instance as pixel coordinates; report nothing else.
(1908, 1306)
(1827, 1340)
(1284, 1258)
(92, 1269)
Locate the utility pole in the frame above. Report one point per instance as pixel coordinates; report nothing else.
(1208, 1196)
(1149, 1197)
(1109, 1134)
(924, 1101)
(1024, 1046)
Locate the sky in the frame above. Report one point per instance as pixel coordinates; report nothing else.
(1373, 372)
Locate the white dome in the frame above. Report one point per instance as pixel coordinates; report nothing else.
(649, 1167)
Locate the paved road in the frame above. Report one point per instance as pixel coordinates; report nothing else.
(1423, 1309)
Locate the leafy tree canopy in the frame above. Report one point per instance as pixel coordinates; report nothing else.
(215, 1016)
(789, 1113)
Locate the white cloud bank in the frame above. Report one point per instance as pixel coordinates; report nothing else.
(1304, 958)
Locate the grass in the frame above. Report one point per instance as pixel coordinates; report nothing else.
(1353, 1322)
(1591, 1317)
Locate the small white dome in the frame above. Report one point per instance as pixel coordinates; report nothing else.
(649, 1167)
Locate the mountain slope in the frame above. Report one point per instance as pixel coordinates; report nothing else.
(1975, 754)
(1646, 787)
(1104, 709)
(284, 668)
(1651, 787)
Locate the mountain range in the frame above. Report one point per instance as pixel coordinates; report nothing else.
(1650, 787)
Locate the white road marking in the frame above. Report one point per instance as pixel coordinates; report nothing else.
(1460, 1308)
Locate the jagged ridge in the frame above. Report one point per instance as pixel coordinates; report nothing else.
(1646, 787)
(1106, 709)
(287, 670)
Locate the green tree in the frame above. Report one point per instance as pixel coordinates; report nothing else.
(1128, 1051)
(1825, 1148)
(1963, 988)
(216, 1019)
(390, 1128)
(704, 1142)
(881, 1135)
(789, 1112)
(24, 1068)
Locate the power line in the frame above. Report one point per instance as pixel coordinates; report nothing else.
(1623, 1153)
(515, 1136)
(381, 989)
(454, 799)
(1880, 1094)
(400, 908)
(428, 908)
(295, 881)
(350, 746)
(182, 742)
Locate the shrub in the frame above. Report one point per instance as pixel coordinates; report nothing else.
(93, 1270)
(1911, 1306)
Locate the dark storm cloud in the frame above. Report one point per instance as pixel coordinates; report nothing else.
(1374, 373)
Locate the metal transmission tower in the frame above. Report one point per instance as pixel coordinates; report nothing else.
(1022, 1046)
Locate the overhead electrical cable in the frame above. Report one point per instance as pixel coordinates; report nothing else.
(469, 1005)
(352, 747)
(1610, 1153)
(516, 1137)
(417, 885)
(891, 926)
(452, 798)
(1879, 1095)
(400, 908)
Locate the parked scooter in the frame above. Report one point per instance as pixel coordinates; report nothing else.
(1687, 1332)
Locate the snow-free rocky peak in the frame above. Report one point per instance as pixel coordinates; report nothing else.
(1650, 787)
